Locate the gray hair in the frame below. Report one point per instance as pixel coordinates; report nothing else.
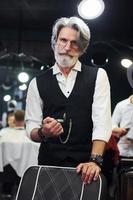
(74, 23)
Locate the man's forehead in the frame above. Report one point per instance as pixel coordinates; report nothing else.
(69, 32)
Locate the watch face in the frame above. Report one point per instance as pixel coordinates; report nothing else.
(99, 158)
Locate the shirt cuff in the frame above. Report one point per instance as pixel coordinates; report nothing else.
(102, 135)
(30, 126)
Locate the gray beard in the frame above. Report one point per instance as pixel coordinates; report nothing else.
(65, 61)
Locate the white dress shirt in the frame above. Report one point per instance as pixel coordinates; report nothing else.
(101, 107)
(123, 117)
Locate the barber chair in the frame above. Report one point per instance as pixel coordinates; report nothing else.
(58, 183)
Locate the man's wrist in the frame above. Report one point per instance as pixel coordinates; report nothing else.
(97, 159)
(41, 135)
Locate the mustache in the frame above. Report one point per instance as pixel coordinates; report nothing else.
(65, 54)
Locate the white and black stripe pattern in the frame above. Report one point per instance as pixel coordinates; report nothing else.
(56, 183)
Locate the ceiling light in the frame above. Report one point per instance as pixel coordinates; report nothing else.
(23, 87)
(126, 63)
(99, 59)
(42, 67)
(7, 98)
(7, 83)
(23, 77)
(90, 9)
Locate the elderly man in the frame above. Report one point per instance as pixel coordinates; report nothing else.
(68, 106)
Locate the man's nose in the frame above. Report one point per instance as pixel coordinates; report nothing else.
(68, 45)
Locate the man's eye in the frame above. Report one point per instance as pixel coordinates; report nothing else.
(74, 43)
(63, 40)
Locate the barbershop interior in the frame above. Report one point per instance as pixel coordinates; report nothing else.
(26, 52)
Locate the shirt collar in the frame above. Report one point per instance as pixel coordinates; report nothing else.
(77, 67)
(19, 128)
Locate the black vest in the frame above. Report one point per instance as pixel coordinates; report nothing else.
(78, 109)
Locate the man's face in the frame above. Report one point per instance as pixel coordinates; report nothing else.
(67, 48)
(11, 120)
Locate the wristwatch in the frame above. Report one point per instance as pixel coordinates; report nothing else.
(41, 135)
(96, 158)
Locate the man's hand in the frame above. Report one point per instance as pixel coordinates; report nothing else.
(51, 127)
(89, 171)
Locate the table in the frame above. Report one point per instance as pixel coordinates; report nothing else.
(18, 151)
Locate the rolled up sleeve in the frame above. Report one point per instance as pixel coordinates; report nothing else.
(34, 105)
(101, 108)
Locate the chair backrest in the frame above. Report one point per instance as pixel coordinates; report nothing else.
(58, 183)
(125, 165)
